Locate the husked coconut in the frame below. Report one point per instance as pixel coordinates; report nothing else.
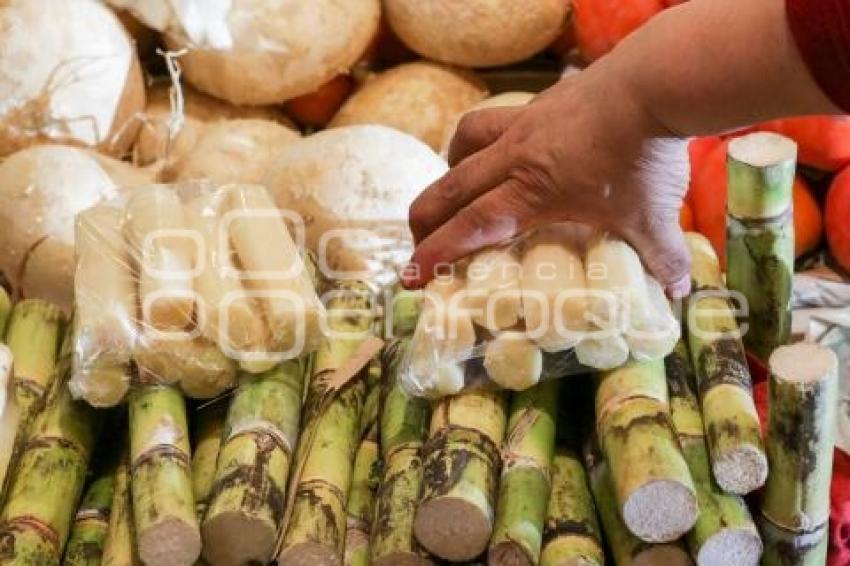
(234, 151)
(512, 98)
(68, 74)
(350, 178)
(476, 33)
(146, 39)
(124, 174)
(422, 99)
(198, 108)
(42, 188)
(268, 51)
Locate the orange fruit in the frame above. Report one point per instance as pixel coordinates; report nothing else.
(822, 141)
(686, 218)
(601, 24)
(808, 221)
(838, 218)
(317, 108)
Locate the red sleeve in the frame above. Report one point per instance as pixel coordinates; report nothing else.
(821, 29)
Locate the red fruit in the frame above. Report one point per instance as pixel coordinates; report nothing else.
(838, 218)
(808, 220)
(601, 24)
(823, 141)
(686, 218)
(317, 108)
(671, 3)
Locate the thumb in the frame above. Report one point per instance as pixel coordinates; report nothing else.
(666, 257)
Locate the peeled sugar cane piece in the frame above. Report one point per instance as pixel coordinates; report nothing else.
(525, 485)
(626, 549)
(226, 315)
(513, 361)
(209, 428)
(246, 503)
(119, 548)
(493, 287)
(403, 430)
(651, 478)
(782, 547)
(164, 518)
(164, 252)
(760, 235)
(455, 516)
(274, 270)
(724, 532)
(330, 431)
(443, 340)
(37, 515)
(105, 312)
(197, 365)
(554, 297)
(732, 428)
(803, 402)
(85, 544)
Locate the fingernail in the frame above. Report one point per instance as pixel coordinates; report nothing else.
(680, 289)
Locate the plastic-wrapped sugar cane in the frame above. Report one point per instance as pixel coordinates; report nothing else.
(801, 434)
(760, 235)
(524, 485)
(316, 528)
(626, 549)
(85, 544)
(208, 422)
(164, 517)
(105, 311)
(454, 519)
(724, 532)
(553, 285)
(246, 504)
(156, 233)
(513, 361)
(493, 290)
(365, 475)
(403, 431)
(652, 482)
(735, 445)
(37, 515)
(119, 548)
(571, 535)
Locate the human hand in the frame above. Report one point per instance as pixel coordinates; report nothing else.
(585, 150)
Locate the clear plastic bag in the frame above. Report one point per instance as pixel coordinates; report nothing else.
(187, 283)
(559, 301)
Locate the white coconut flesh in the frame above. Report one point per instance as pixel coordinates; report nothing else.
(346, 179)
(41, 190)
(68, 73)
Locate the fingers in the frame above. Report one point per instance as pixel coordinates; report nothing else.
(464, 183)
(496, 216)
(665, 255)
(476, 130)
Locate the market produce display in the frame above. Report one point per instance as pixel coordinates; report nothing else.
(206, 358)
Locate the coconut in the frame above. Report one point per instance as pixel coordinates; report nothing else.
(234, 151)
(476, 33)
(42, 188)
(422, 99)
(512, 98)
(269, 51)
(353, 178)
(68, 74)
(198, 109)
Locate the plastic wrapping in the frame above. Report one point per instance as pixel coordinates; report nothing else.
(556, 302)
(186, 283)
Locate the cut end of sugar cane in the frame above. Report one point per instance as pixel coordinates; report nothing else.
(608, 352)
(802, 412)
(731, 546)
(453, 528)
(104, 385)
(200, 368)
(765, 160)
(170, 542)
(513, 361)
(238, 537)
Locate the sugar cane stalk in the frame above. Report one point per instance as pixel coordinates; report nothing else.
(801, 431)
(209, 427)
(5, 310)
(163, 504)
(724, 532)
(784, 548)
(85, 544)
(454, 519)
(325, 455)
(642, 451)
(119, 548)
(525, 482)
(732, 427)
(760, 235)
(246, 504)
(36, 519)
